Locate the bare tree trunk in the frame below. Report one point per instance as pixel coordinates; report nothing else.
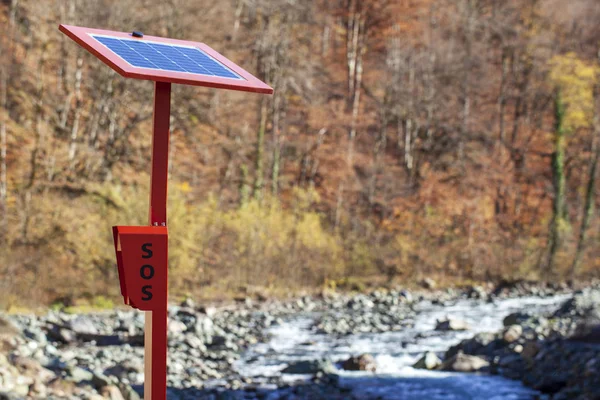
(339, 206)
(355, 110)
(466, 81)
(244, 185)
(276, 135)
(325, 37)
(33, 159)
(352, 31)
(4, 78)
(408, 124)
(3, 152)
(431, 92)
(355, 32)
(588, 207)
(430, 78)
(502, 96)
(76, 119)
(276, 165)
(110, 141)
(239, 9)
(260, 144)
(63, 75)
(378, 153)
(555, 237)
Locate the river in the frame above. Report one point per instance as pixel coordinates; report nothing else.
(395, 353)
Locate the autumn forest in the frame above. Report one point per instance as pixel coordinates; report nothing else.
(456, 140)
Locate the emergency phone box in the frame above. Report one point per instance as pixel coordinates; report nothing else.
(142, 264)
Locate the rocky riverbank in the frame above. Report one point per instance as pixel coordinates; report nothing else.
(556, 353)
(213, 351)
(88, 356)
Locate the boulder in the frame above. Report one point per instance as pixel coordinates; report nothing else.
(428, 284)
(61, 334)
(484, 343)
(364, 362)
(512, 333)
(218, 340)
(464, 363)
(452, 324)
(31, 367)
(510, 361)
(209, 311)
(188, 303)
(83, 324)
(585, 303)
(78, 374)
(123, 369)
(517, 318)
(38, 389)
(176, 327)
(128, 392)
(530, 350)
(587, 333)
(7, 328)
(477, 292)
(406, 295)
(428, 361)
(99, 380)
(309, 367)
(204, 328)
(195, 342)
(112, 393)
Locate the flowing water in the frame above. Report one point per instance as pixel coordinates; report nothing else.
(396, 352)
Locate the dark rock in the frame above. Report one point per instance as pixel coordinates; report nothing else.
(100, 380)
(125, 368)
(309, 367)
(464, 363)
(517, 318)
(428, 284)
(218, 340)
(35, 334)
(550, 385)
(406, 295)
(452, 324)
(188, 303)
(587, 333)
(364, 362)
(477, 292)
(510, 360)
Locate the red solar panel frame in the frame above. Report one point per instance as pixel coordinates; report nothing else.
(83, 37)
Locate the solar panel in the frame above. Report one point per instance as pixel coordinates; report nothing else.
(166, 57)
(159, 59)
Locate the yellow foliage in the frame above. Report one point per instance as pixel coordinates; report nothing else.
(576, 80)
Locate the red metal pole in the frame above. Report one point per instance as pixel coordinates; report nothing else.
(155, 335)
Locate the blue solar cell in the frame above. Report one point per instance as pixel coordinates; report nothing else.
(166, 57)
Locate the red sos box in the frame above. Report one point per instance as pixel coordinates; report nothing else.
(142, 253)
